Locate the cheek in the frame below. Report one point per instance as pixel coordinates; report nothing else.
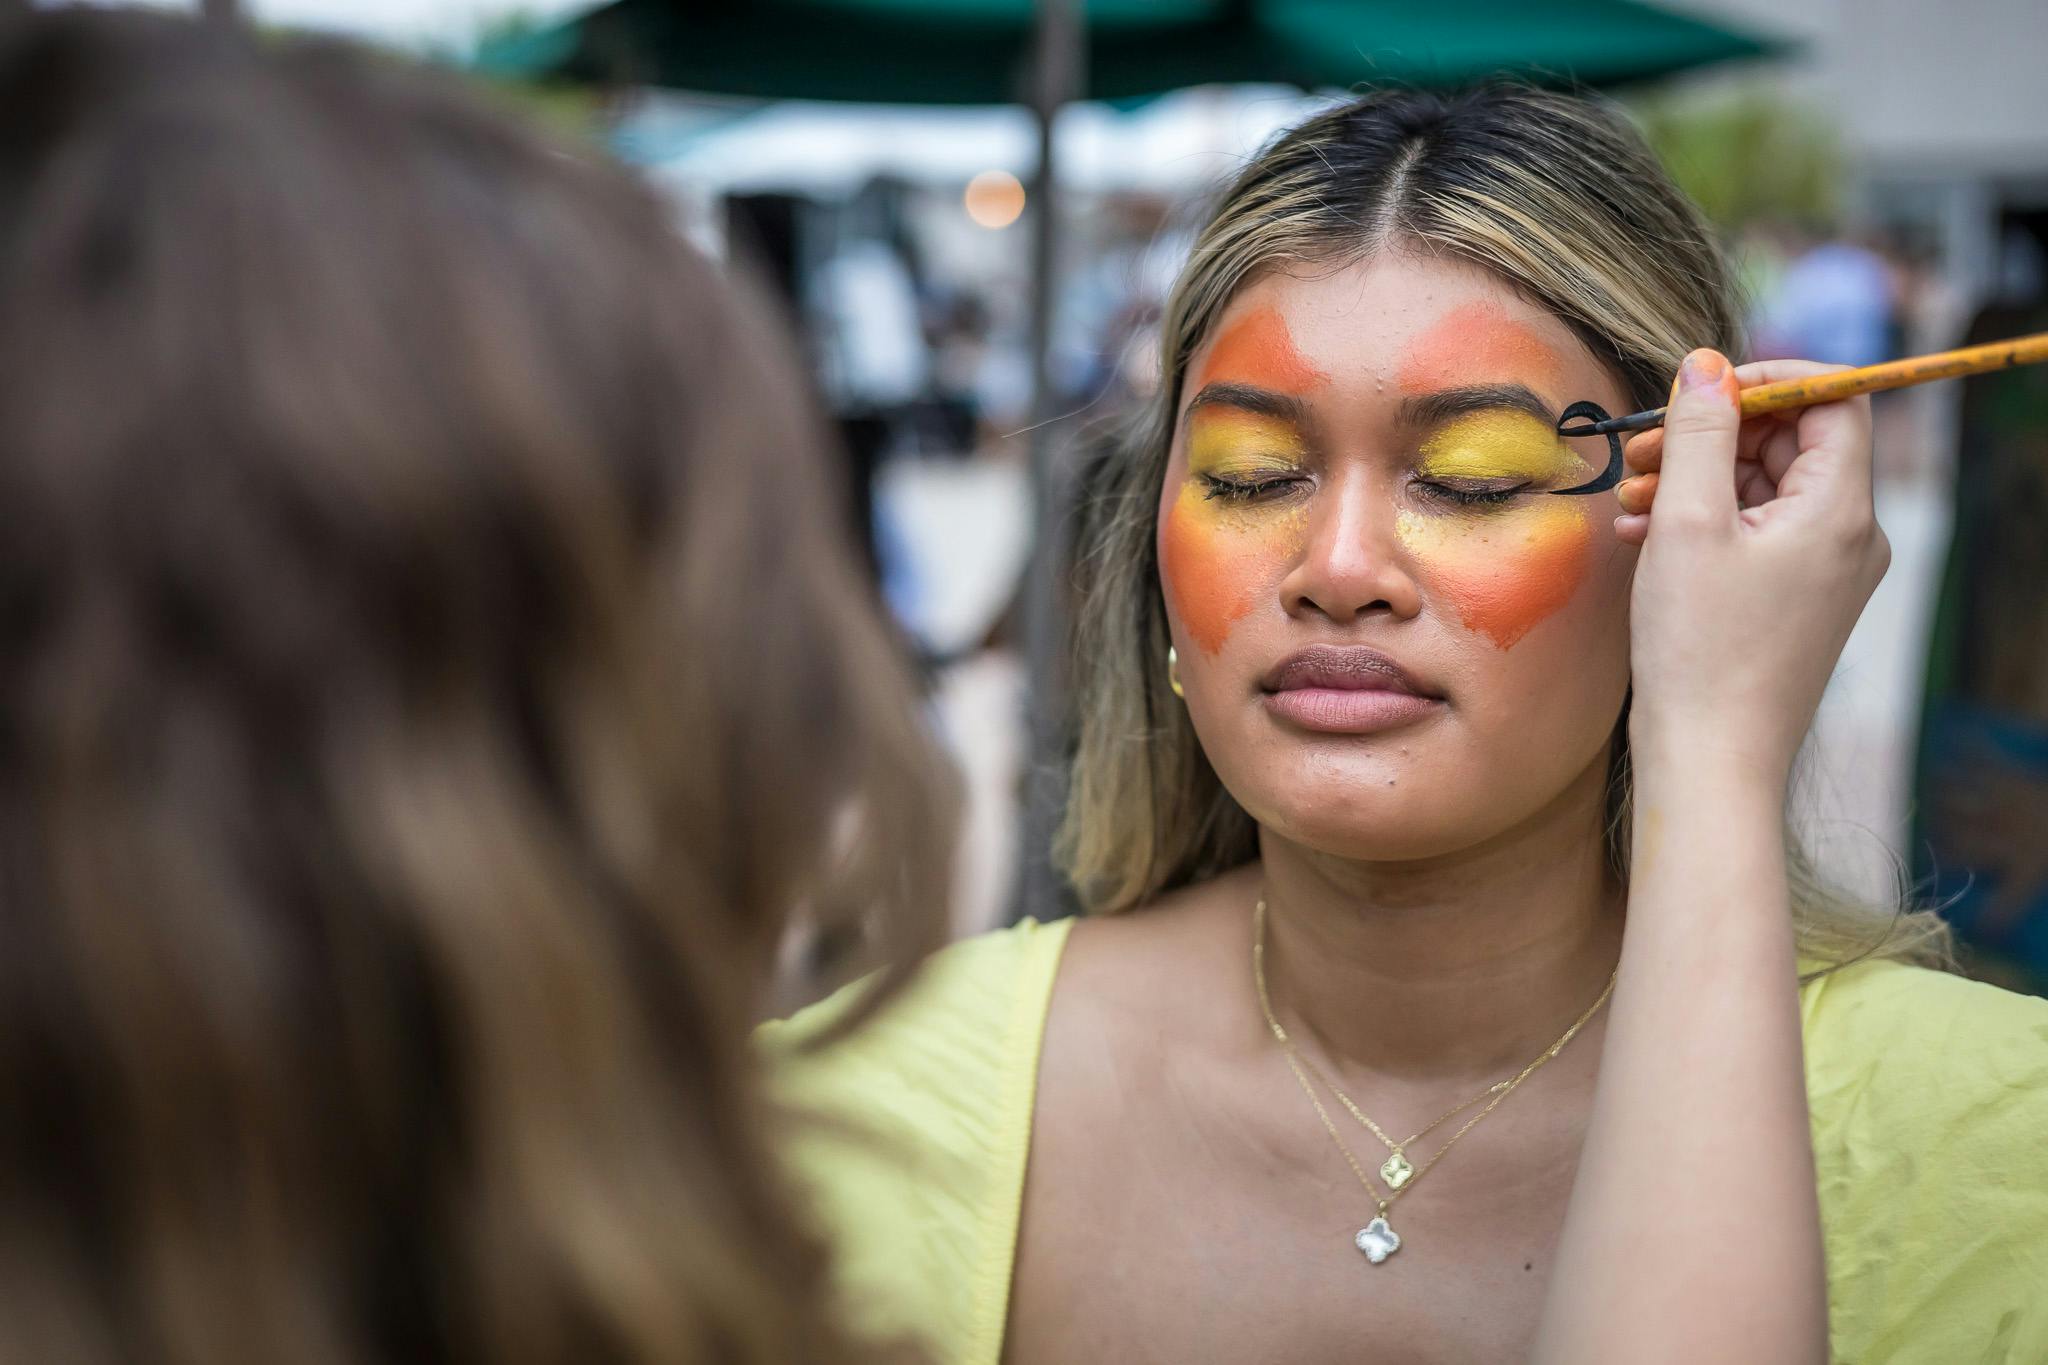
(1506, 576)
(1214, 563)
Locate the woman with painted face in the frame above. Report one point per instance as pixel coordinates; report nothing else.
(1452, 988)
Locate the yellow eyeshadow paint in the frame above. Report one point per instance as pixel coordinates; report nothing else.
(1226, 441)
(1503, 570)
(1499, 444)
(1217, 556)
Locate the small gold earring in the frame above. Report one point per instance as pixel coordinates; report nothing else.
(1173, 671)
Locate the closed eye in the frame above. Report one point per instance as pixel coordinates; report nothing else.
(1470, 497)
(1245, 490)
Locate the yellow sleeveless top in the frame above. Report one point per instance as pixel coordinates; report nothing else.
(1929, 1096)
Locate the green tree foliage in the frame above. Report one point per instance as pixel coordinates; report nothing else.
(1747, 156)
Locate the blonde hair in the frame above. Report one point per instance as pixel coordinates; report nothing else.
(1555, 194)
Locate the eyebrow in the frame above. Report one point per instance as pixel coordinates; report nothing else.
(1249, 398)
(1432, 409)
(1423, 410)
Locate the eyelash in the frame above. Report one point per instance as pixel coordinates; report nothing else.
(1252, 490)
(1471, 497)
(1244, 490)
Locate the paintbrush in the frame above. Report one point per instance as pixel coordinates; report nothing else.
(1827, 388)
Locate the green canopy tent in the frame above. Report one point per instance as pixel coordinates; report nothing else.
(1048, 52)
(977, 51)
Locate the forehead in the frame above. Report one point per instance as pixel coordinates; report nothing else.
(1393, 323)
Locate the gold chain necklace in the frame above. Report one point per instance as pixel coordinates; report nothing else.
(1397, 1171)
(1377, 1239)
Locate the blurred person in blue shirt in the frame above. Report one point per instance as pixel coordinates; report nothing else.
(1833, 302)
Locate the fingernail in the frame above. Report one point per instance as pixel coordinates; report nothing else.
(1634, 494)
(1702, 369)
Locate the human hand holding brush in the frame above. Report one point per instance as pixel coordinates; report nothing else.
(1760, 553)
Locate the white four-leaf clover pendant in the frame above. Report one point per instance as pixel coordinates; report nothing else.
(1378, 1241)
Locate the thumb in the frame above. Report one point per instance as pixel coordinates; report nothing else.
(1698, 483)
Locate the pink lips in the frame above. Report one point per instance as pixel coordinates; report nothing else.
(1346, 689)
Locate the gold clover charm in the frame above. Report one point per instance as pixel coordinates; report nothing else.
(1396, 1172)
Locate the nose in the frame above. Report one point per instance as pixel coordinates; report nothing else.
(1352, 565)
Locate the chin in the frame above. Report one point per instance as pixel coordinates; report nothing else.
(1360, 818)
(1395, 840)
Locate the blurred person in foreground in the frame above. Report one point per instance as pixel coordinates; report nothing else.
(1455, 989)
(432, 677)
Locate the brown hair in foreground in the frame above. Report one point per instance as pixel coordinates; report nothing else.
(431, 676)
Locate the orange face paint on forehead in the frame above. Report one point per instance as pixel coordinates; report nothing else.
(1474, 343)
(1257, 349)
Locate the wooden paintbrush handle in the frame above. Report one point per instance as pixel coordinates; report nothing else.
(1827, 388)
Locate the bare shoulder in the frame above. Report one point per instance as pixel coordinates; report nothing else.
(1136, 1005)
(1144, 969)
(1129, 1037)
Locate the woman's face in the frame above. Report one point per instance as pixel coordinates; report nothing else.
(1395, 642)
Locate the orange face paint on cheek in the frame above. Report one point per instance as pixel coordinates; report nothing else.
(1215, 557)
(1215, 562)
(1507, 574)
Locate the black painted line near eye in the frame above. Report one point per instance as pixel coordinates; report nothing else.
(1609, 476)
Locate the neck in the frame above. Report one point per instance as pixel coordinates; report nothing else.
(1463, 966)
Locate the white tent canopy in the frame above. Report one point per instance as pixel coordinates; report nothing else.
(1174, 144)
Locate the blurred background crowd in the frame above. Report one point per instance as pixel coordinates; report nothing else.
(1880, 168)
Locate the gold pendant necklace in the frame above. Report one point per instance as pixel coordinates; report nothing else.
(1377, 1239)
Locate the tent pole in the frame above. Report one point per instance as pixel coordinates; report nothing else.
(1057, 78)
